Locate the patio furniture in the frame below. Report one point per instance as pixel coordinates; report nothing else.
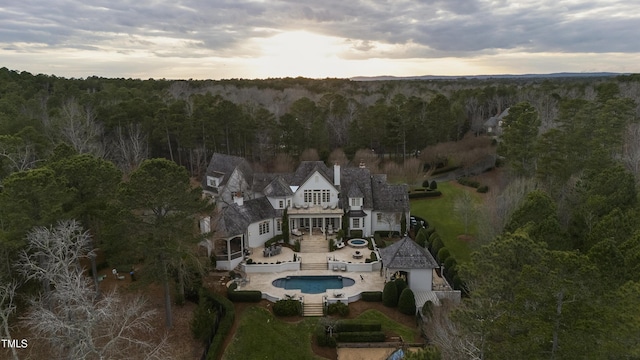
(296, 232)
(340, 244)
(344, 268)
(335, 268)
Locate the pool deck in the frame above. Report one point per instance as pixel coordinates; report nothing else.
(364, 281)
(263, 282)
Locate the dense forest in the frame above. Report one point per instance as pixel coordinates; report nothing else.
(554, 272)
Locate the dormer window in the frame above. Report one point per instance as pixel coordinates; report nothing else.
(280, 204)
(212, 181)
(356, 201)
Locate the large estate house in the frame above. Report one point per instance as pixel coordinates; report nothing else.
(318, 200)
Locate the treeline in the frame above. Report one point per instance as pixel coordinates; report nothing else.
(555, 273)
(128, 120)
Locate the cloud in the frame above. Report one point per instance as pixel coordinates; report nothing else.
(399, 29)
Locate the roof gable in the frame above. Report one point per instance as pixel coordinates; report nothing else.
(306, 169)
(224, 165)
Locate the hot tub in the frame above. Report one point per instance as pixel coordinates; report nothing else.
(358, 243)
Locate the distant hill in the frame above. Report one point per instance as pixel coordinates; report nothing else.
(484, 77)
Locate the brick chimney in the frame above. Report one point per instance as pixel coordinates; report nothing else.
(238, 198)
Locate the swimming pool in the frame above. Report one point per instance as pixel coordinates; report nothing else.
(313, 284)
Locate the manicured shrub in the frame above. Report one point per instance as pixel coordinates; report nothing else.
(436, 245)
(371, 296)
(425, 184)
(433, 185)
(407, 302)
(401, 284)
(427, 308)
(338, 308)
(483, 189)
(357, 325)
(356, 234)
(273, 240)
(243, 295)
(296, 246)
(450, 263)
(380, 243)
(443, 255)
(390, 294)
(369, 336)
(287, 307)
(468, 182)
(421, 237)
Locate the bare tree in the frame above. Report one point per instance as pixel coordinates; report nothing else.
(391, 219)
(131, 147)
(449, 337)
(338, 156)
(368, 159)
(79, 126)
(498, 207)
(283, 163)
(7, 309)
(309, 155)
(68, 315)
(412, 171)
(19, 154)
(465, 210)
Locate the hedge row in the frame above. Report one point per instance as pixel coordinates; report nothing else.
(243, 295)
(444, 169)
(355, 325)
(474, 184)
(372, 296)
(426, 194)
(224, 328)
(370, 336)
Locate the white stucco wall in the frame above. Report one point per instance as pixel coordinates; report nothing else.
(257, 240)
(420, 279)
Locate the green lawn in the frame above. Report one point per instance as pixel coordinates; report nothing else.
(388, 325)
(439, 213)
(261, 335)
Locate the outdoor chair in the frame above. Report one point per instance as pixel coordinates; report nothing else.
(344, 268)
(340, 244)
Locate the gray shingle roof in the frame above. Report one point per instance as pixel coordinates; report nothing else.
(306, 169)
(356, 178)
(277, 188)
(234, 219)
(406, 254)
(388, 197)
(225, 164)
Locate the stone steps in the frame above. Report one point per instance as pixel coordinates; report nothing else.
(314, 266)
(315, 244)
(312, 309)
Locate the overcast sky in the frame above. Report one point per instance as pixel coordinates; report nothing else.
(216, 39)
